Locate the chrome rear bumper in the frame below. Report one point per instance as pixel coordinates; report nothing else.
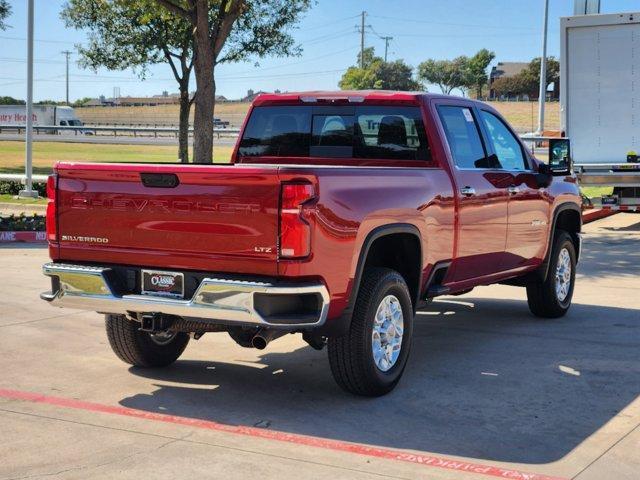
(226, 301)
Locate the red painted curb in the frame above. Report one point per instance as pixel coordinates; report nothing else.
(25, 237)
(360, 449)
(593, 215)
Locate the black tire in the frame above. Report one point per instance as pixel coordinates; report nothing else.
(139, 348)
(351, 356)
(541, 295)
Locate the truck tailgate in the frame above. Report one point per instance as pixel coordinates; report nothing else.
(216, 218)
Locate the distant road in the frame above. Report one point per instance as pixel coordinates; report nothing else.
(109, 139)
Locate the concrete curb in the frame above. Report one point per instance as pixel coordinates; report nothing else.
(596, 214)
(23, 237)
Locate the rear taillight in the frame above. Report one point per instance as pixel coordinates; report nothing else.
(295, 232)
(52, 230)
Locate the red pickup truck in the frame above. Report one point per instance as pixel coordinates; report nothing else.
(338, 215)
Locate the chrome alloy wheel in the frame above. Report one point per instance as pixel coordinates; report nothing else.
(386, 338)
(563, 275)
(163, 338)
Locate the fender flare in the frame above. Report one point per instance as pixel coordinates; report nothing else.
(341, 324)
(544, 267)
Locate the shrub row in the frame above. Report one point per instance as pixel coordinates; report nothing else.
(22, 223)
(8, 187)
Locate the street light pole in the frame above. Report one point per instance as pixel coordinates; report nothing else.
(66, 53)
(362, 26)
(28, 166)
(542, 95)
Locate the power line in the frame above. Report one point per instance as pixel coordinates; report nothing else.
(23, 60)
(301, 61)
(3, 37)
(328, 23)
(456, 35)
(452, 24)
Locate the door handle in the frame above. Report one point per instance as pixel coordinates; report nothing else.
(468, 191)
(513, 190)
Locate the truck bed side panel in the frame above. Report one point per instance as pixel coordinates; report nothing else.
(355, 201)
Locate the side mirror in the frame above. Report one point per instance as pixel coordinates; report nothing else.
(544, 176)
(560, 162)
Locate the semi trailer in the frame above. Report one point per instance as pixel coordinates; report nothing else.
(600, 102)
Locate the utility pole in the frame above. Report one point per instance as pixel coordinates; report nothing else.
(364, 14)
(67, 53)
(28, 167)
(542, 94)
(386, 46)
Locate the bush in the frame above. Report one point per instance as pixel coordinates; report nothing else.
(22, 223)
(13, 188)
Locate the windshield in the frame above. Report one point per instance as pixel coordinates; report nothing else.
(374, 132)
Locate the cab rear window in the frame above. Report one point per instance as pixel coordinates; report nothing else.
(371, 132)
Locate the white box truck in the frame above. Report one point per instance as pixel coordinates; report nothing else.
(600, 102)
(43, 115)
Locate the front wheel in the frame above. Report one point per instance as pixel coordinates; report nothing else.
(143, 349)
(551, 298)
(370, 359)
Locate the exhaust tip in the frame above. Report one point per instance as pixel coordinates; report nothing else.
(259, 342)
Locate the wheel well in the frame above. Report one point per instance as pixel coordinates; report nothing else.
(569, 220)
(400, 252)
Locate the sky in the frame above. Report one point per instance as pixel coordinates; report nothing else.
(328, 35)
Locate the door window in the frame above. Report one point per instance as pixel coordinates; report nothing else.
(463, 137)
(505, 145)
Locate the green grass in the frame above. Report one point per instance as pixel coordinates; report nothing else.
(5, 198)
(595, 192)
(45, 154)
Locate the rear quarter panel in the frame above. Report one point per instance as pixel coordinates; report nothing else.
(352, 202)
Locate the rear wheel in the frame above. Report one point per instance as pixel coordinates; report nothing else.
(143, 349)
(551, 298)
(371, 358)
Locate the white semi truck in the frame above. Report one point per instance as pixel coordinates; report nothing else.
(43, 115)
(600, 102)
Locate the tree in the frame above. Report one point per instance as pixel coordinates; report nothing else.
(447, 74)
(11, 101)
(5, 11)
(81, 102)
(527, 82)
(378, 74)
(231, 31)
(514, 85)
(49, 102)
(532, 73)
(476, 74)
(125, 34)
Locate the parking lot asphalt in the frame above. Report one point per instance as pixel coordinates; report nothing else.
(489, 391)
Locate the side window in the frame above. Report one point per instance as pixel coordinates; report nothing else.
(277, 132)
(391, 133)
(505, 145)
(63, 123)
(463, 136)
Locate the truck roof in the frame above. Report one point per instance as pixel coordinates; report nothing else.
(351, 96)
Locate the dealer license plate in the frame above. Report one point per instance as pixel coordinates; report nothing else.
(163, 284)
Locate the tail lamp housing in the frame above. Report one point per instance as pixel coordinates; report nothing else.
(295, 231)
(51, 222)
